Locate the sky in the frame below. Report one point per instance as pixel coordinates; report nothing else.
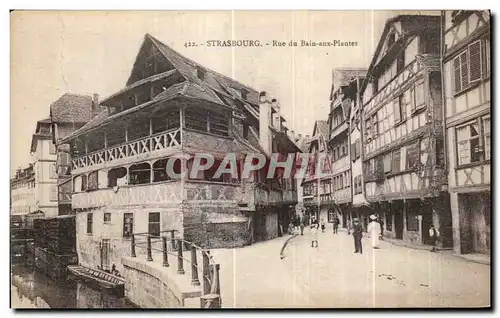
(53, 53)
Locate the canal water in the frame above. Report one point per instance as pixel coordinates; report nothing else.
(30, 289)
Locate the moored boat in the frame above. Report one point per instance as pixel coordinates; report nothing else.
(98, 279)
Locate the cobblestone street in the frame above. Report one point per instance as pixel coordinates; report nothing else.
(393, 276)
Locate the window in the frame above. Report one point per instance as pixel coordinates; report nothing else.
(117, 177)
(165, 121)
(89, 223)
(138, 129)
(400, 108)
(107, 217)
(413, 155)
(53, 171)
(95, 141)
(387, 162)
(468, 66)
(93, 181)
(115, 136)
(140, 173)
(128, 224)
(160, 170)
(396, 161)
(474, 141)
(419, 94)
(52, 149)
(53, 193)
(154, 224)
(487, 137)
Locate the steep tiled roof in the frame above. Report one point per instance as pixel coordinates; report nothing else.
(322, 127)
(72, 108)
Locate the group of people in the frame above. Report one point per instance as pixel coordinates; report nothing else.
(374, 231)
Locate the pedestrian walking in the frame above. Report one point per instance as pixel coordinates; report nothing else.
(302, 228)
(314, 233)
(357, 234)
(374, 231)
(290, 228)
(323, 226)
(349, 226)
(336, 223)
(433, 236)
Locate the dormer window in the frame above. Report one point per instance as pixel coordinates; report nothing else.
(200, 73)
(391, 39)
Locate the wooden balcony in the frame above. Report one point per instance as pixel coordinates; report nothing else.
(136, 148)
(264, 196)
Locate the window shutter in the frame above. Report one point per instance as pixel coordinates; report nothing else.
(475, 72)
(464, 70)
(456, 74)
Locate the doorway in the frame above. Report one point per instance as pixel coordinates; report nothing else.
(397, 211)
(105, 248)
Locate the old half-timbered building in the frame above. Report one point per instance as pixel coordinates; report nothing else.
(317, 195)
(343, 98)
(467, 88)
(171, 109)
(402, 119)
(68, 114)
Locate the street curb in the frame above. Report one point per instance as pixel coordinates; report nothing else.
(285, 244)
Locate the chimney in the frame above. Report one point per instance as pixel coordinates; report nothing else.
(96, 109)
(264, 117)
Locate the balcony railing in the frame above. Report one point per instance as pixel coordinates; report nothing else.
(163, 140)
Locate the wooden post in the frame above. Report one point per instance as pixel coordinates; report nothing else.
(132, 246)
(150, 258)
(206, 272)
(165, 254)
(180, 260)
(172, 237)
(194, 267)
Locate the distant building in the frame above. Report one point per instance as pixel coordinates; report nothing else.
(173, 106)
(344, 143)
(303, 142)
(23, 192)
(403, 131)
(467, 90)
(318, 195)
(44, 154)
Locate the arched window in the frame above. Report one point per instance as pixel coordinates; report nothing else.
(140, 173)
(160, 170)
(84, 182)
(117, 176)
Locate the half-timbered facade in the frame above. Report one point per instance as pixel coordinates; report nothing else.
(343, 98)
(317, 184)
(467, 89)
(171, 109)
(402, 120)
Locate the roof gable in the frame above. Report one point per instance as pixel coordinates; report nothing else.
(149, 61)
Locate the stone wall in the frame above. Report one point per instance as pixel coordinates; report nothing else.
(148, 287)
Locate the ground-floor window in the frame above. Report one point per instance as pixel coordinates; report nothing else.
(89, 223)
(128, 224)
(154, 224)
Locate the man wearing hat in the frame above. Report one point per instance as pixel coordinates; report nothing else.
(374, 230)
(357, 233)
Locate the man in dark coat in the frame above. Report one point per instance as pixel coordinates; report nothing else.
(357, 233)
(336, 223)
